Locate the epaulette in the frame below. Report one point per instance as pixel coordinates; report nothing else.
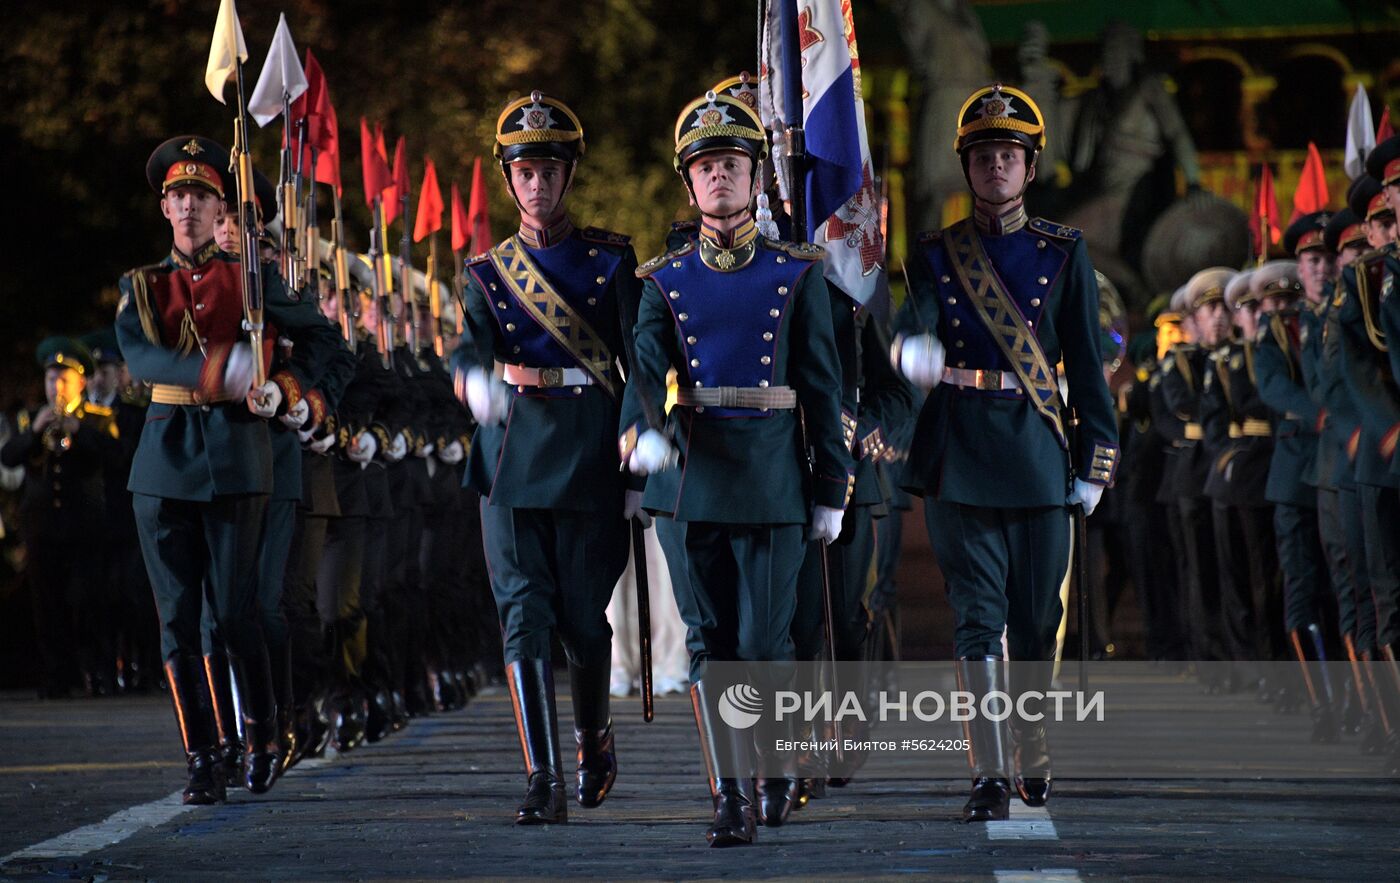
(803, 251)
(690, 226)
(930, 235)
(660, 260)
(607, 237)
(142, 271)
(478, 258)
(97, 410)
(1050, 228)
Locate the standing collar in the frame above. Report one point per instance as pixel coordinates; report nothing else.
(1000, 223)
(202, 255)
(536, 237)
(728, 250)
(742, 234)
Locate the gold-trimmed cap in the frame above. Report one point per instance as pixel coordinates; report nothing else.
(718, 122)
(188, 159)
(538, 126)
(1207, 285)
(1275, 277)
(1000, 113)
(743, 87)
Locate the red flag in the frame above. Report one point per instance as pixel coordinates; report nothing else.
(1265, 212)
(376, 174)
(1384, 130)
(322, 127)
(429, 218)
(1311, 195)
(398, 187)
(478, 214)
(460, 236)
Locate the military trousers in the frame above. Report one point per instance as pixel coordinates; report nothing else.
(193, 548)
(1154, 575)
(1203, 586)
(1250, 608)
(735, 587)
(1003, 569)
(1361, 603)
(1335, 560)
(1380, 521)
(552, 573)
(848, 573)
(1300, 555)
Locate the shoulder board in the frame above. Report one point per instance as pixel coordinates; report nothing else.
(803, 251)
(1050, 228)
(684, 226)
(607, 237)
(149, 268)
(478, 258)
(660, 260)
(97, 410)
(930, 235)
(1373, 257)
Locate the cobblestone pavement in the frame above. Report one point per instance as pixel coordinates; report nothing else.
(436, 801)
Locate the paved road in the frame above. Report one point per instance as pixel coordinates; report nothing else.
(436, 800)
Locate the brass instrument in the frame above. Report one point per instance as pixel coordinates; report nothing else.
(55, 437)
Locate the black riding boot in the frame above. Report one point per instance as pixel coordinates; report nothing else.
(725, 751)
(1030, 744)
(777, 786)
(991, 787)
(593, 732)
(262, 761)
(1307, 647)
(532, 692)
(216, 671)
(194, 712)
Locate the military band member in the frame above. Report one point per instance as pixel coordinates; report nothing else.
(66, 451)
(536, 366)
(203, 469)
(745, 322)
(995, 302)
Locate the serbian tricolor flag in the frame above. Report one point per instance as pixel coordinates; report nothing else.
(810, 59)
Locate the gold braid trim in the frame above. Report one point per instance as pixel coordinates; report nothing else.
(141, 294)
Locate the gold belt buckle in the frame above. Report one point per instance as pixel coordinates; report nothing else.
(551, 377)
(987, 380)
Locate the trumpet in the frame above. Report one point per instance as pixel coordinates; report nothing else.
(57, 438)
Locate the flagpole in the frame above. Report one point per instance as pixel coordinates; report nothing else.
(435, 294)
(795, 141)
(247, 221)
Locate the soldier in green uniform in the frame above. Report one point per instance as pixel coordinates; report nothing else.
(1293, 474)
(995, 302)
(536, 365)
(746, 324)
(66, 451)
(203, 469)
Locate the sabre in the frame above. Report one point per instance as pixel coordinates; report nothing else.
(639, 568)
(1081, 572)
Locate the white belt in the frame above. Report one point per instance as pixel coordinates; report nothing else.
(545, 378)
(983, 379)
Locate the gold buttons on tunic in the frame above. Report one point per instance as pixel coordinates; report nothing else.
(782, 289)
(593, 301)
(674, 295)
(695, 363)
(493, 286)
(593, 252)
(510, 326)
(1040, 243)
(682, 316)
(781, 259)
(767, 335)
(676, 264)
(952, 300)
(691, 340)
(766, 360)
(945, 278)
(763, 383)
(775, 313)
(601, 279)
(501, 304)
(957, 322)
(1042, 280)
(1035, 301)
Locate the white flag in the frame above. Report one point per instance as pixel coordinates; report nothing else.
(226, 50)
(282, 78)
(1361, 134)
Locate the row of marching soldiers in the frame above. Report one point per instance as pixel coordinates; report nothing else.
(1264, 443)
(314, 559)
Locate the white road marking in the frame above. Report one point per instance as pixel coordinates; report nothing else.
(1026, 823)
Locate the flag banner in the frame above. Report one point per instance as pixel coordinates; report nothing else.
(478, 214)
(1311, 195)
(225, 51)
(1265, 213)
(843, 205)
(282, 80)
(376, 173)
(322, 126)
(1384, 130)
(1361, 134)
(461, 234)
(429, 219)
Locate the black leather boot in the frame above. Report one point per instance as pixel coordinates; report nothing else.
(216, 672)
(288, 740)
(1307, 647)
(1031, 745)
(593, 732)
(532, 692)
(777, 786)
(263, 760)
(194, 713)
(991, 788)
(725, 751)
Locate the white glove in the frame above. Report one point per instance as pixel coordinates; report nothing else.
(921, 359)
(238, 371)
(363, 448)
(321, 445)
(264, 400)
(1085, 494)
(826, 524)
(486, 396)
(296, 415)
(452, 454)
(304, 435)
(632, 508)
(398, 449)
(652, 454)
(425, 451)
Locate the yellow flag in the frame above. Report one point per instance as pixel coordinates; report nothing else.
(225, 51)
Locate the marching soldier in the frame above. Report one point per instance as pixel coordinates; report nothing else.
(745, 322)
(203, 469)
(995, 302)
(1293, 474)
(536, 366)
(65, 451)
